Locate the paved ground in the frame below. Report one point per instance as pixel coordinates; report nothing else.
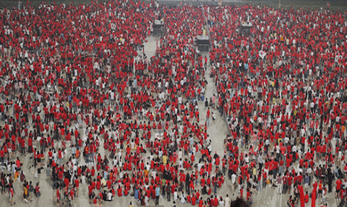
(217, 131)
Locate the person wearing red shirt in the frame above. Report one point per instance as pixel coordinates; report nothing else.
(208, 116)
(306, 197)
(189, 198)
(77, 185)
(90, 189)
(92, 171)
(2, 155)
(30, 144)
(50, 156)
(215, 201)
(72, 193)
(109, 183)
(119, 191)
(290, 181)
(193, 199)
(201, 202)
(126, 191)
(58, 197)
(248, 195)
(93, 184)
(338, 187)
(66, 182)
(98, 184)
(22, 143)
(60, 156)
(203, 181)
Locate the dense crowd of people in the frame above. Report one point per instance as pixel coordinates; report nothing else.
(281, 86)
(82, 99)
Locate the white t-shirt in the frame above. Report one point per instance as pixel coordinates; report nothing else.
(227, 202)
(183, 199)
(221, 203)
(109, 196)
(233, 178)
(175, 196)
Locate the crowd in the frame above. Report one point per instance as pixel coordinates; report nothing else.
(282, 88)
(82, 99)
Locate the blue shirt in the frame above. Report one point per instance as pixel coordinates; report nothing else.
(157, 191)
(136, 194)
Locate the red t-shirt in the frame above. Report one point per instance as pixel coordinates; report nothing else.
(338, 184)
(77, 183)
(119, 190)
(193, 201)
(58, 194)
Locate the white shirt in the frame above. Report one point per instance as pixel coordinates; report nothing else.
(294, 148)
(148, 167)
(209, 148)
(183, 200)
(109, 196)
(227, 202)
(175, 195)
(233, 178)
(221, 203)
(146, 200)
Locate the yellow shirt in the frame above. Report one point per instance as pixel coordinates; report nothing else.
(16, 175)
(164, 159)
(103, 182)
